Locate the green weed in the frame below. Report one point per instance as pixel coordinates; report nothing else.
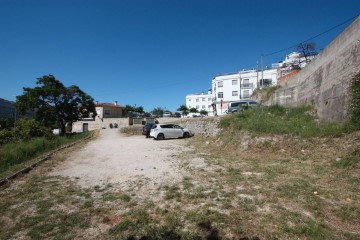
(276, 119)
(12, 154)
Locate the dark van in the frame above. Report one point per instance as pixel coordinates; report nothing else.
(240, 105)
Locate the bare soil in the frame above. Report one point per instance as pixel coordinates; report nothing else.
(124, 161)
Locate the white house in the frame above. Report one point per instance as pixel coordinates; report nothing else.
(200, 101)
(233, 87)
(292, 62)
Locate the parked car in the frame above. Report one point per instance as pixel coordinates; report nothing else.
(241, 105)
(167, 114)
(176, 115)
(154, 115)
(146, 129)
(164, 131)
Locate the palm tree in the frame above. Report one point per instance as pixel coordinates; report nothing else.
(184, 109)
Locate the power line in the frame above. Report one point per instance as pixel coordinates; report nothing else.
(307, 40)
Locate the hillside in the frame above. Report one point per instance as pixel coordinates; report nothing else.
(7, 108)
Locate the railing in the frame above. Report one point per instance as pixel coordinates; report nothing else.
(247, 85)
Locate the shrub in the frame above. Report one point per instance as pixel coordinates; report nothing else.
(5, 136)
(280, 120)
(27, 129)
(354, 107)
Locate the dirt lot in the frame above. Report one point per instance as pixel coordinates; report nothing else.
(122, 161)
(129, 187)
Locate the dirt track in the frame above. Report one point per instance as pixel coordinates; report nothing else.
(121, 160)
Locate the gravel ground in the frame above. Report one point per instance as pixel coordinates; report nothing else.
(122, 161)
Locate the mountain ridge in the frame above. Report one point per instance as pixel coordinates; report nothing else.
(7, 108)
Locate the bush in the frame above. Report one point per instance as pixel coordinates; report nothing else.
(354, 107)
(27, 129)
(12, 154)
(6, 136)
(280, 120)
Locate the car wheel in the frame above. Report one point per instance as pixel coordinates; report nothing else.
(186, 135)
(160, 136)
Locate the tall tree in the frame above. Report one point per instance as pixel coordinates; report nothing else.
(54, 103)
(158, 111)
(184, 109)
(128, 109)
(139, 109)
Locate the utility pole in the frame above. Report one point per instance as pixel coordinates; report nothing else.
(262, 71)
(257, 74)
(240, 86)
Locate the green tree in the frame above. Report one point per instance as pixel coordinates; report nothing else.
(193, 110)
(139, 109)
(7, 123)
(158, 111)
(127, 109)
(184, 109)
(204, 112)
(55, 104)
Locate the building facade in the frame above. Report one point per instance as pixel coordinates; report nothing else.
(200, 101)
(108, 110)
(108, 115)
(236, 86)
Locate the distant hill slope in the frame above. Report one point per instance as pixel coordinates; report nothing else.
(7, 108)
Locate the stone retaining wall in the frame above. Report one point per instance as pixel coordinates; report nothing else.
(324, 82)
(207, 126)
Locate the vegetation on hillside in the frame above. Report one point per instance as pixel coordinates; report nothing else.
(27, 140)
(354, 107)
(298, 121)
(265, 93)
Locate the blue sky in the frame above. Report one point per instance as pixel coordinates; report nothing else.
(152, 52)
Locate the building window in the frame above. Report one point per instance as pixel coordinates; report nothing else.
(209, 99)
(265, 82)
(197, 99)
(234, 82)
(220, 84)
(197, 106)
(107, 112)
(220, 94)
(246, 93)
(203, 106)
(246, 83)
(235, 93)
(203, 99)
(189, 100)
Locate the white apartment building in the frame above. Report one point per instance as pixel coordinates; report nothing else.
(233, 87)
(292, 62)
(200, 101)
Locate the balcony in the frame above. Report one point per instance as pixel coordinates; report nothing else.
(247, 85)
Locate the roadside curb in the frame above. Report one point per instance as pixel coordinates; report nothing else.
(42, 159)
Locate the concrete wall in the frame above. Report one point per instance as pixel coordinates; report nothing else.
(324, 82)
(98, 124)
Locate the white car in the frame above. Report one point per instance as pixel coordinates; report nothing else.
(163, 131)
(167, 114)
